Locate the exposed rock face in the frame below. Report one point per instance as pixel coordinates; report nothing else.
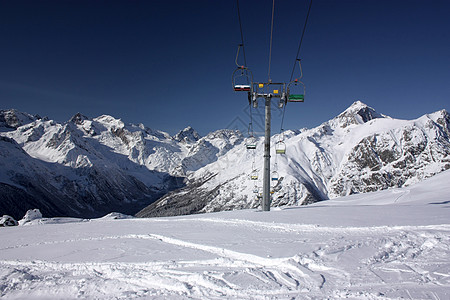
(381, 161)
(32, 214)
(7, 221)
(78, 119)
(187, 135)
(12, 119)
(357, 113)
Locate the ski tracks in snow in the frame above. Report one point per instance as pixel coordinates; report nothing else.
(408, 255)
(347, 262)
(231, 274)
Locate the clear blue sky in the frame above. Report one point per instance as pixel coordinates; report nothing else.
(168, 64)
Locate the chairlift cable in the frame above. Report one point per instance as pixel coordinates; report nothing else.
(284, 107)
(301, 40)
(242, 34)
(237, 56)
(301, 69)
(271, 36)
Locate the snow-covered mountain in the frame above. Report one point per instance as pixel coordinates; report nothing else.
(89, 167)
(358, 151)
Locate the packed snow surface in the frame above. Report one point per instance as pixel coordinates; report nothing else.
(392, 244)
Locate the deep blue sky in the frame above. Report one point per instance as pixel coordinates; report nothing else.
(168, 64)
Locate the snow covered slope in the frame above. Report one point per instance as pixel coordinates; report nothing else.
(391, 244)
(358, 151)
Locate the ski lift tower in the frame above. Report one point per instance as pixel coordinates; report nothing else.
(268, 91)
(294, 91)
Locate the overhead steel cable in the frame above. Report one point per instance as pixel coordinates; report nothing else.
(250, 125)
(242, 34)
(301, 40)
(271, 36)
(297, 59)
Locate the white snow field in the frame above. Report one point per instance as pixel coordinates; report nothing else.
(393, 244)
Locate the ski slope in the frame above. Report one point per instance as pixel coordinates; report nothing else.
(393, 244)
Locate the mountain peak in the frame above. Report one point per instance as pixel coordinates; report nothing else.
(358, 113)
(357, 105)
(187, 135)
(12, 119)
(78, 119)
(441, 117)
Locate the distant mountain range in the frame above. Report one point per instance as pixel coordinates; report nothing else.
(90, 167)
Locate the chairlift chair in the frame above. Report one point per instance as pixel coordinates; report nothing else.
(280, 147)
(296, 91)
(260, 192)
(274, 176)
(242, 79)
(254, 175)
(242, 88)
(255, 190)
(251, 143)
